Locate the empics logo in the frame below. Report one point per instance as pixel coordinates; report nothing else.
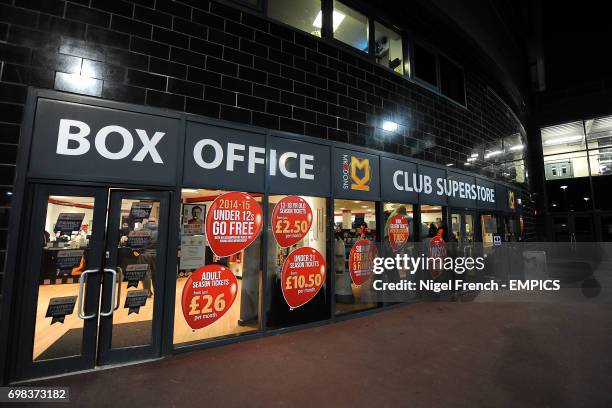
(359, 171)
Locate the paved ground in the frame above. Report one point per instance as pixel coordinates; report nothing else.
(424, 355)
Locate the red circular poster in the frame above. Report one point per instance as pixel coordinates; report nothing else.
(291, 220)
(208, 293)
(232, 223)
(437, 252)
(361, 261)
(303, 276)
(398, 232)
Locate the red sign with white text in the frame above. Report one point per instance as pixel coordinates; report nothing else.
(303, 276)
(361, 261)
(398, 232)
(233, 222)
(291, 220)
(207, 295)
(437, 251)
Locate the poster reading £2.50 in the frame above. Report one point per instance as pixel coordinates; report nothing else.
(233, 222)
(291, 220)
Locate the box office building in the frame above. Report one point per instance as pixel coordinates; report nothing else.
(184, 174)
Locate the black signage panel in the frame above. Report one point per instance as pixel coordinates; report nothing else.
(68, 259)
(431, 185)
(461, 190)
(355, 175)
(68, 222)
(224, 158)
(60, 307)
(140, 210)
(486, 194)
(135, 299)
(82, 142)
(135, 273)
(399, 181)
(298, 167)
(139, 239)
(501, 197)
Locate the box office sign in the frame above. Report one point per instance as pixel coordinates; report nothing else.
(77, 141)
(236, 159)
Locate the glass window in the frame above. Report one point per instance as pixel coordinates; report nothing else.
(354, 221)
(302, 14)
(452, 83)
(566, 165)
(431, 220)
(425, 65)
(237, 313)
(601, 162)
(569, 194)
(388, 49)
(296, 223)
(350, 26)
(567, 137)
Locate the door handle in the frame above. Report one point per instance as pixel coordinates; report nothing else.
(113, 298)
(120, 279)
(80, 301)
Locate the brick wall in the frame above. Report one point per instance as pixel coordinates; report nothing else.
(211, 59)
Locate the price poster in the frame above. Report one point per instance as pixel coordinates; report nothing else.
(233, 222)
(437, 250)
(398, 232)
(140, 210)
(302, 276)
(207, 295)
(361, 261)
(291, 220)
(69, 222)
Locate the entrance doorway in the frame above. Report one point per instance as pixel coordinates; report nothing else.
(462, 227)
(94, 266)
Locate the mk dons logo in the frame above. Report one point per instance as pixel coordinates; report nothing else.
(358, 171)
(511, 201)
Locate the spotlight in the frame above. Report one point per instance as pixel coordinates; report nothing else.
(389, 126)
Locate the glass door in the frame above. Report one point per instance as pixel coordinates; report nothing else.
(62, 260)
(91, 268)
(130, 313)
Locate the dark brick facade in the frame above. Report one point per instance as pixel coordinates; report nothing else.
(214, 60)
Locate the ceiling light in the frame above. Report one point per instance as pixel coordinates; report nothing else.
(586, 198)
(389, 126)
(189, 190)
(356, 201)
(467, 163)
(474, 155)
(493, 153)
(364, 206)
(471, 159)
(338, 17)
(561, 140)
(516, 148)
(449, 164)
(563, 188)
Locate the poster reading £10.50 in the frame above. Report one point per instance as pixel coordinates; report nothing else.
(303, 276)
(207, 295)
(233, 222)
